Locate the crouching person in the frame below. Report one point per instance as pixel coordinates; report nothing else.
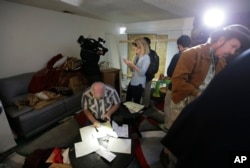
(99, 102)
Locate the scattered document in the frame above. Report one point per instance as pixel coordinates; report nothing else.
(65, 156)
(86, 147)
(89, 143)
(107, 129)
(103, 140)
(119, 145)
(87, 131)
(99, 133)
(121, 131)
(103, 152)
(134, 107)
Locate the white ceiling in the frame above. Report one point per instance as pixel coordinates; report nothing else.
(130, 11)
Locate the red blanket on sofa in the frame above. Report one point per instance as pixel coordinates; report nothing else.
(44, 80)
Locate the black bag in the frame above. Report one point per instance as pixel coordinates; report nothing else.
(153, 66)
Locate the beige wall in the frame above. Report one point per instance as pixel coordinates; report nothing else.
(30, 36)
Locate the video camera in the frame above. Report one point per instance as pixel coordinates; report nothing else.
(92, 45)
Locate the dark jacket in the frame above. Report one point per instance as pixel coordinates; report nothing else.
(171, 67)
(214, 128)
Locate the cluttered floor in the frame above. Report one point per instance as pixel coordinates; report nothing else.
(147, 151)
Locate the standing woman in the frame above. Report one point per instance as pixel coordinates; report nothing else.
(138, 68)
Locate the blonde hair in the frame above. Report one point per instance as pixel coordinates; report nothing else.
(142, 44)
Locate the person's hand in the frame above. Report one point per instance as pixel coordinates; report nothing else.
(96, 124)
(125, 60)
(106, 117)
(129, 63)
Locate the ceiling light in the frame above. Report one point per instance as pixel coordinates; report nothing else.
(123, 30)
(73, 2)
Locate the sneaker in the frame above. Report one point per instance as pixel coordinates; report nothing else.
(162, 127)
(164, 158)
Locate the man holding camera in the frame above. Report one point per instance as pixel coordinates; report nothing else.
(91, 50)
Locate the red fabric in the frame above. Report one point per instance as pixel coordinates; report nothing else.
(160, 106)
(44, 80)
(53, 60)
(152, 121)
(81, 119)
(58, 158)
(37, 159)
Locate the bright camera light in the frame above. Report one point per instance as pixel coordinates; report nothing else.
(214, 18)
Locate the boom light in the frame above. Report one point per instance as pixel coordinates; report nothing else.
(214, 18)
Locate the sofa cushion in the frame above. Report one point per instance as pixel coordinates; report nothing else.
(42, 118)
(20, 98)
(13, 112)
(12, 87)
(73, 103)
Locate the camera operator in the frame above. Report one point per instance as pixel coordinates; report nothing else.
(91, 50)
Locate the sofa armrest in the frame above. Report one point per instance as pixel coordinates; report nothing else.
(14, 86)
(13, 112)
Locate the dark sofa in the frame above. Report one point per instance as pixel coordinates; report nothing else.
(28, 122)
